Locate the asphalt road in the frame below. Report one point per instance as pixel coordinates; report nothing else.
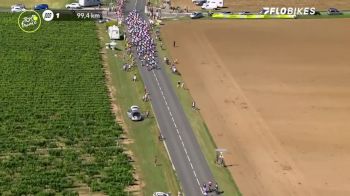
(187, 158)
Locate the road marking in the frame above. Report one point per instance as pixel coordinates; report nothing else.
(178, 133)
(135, 4)
(191, 165)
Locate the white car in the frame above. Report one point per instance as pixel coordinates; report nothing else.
(73, 6)
(18, 8)
(134, 113)
(161, 194)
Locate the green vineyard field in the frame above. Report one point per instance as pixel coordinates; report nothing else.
(57, 132)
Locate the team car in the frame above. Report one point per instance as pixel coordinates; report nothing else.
(334, 11)
(134, 113)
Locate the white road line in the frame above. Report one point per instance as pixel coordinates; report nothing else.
(135, 4)
(178, 133)
(191, 165)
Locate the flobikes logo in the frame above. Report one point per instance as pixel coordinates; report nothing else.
(29, 21)
(289, 10)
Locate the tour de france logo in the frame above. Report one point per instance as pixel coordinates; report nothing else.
(29, 21)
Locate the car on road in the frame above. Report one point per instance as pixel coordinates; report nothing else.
(73, 6)
(334, 11)
(244, 13)
(161, 194)
(134, 113)
(196, 15)
(18, 8)
(199, 2)
(226, 12)
(41, 7)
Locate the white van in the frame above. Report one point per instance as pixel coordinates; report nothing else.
(87, 3)
(213, 4)
(113, 32)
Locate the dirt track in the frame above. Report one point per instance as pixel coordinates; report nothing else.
(276, 94)
(256, 5)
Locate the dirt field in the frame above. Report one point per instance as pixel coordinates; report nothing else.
(276, 94)
(256, 5)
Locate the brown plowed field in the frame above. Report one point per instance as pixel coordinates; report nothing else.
(256, 5)
(276, 94)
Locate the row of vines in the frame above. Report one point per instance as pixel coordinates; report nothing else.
(57, 132)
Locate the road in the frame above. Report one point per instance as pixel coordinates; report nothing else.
(188, 160)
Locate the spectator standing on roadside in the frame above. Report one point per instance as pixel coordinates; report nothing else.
(182, 85)
(155, 160)
(217, 188)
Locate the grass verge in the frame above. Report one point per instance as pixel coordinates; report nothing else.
(145, 146)
(206, 142)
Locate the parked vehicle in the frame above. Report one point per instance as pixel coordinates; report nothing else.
(18, 8)
(226, 12)
(196, 15)
(244, 13)
(334, 11)
(134, 113)
(41, 7)
(87, 3)
(213, 4)
(73, 6)
(199, 2)
(114, 33)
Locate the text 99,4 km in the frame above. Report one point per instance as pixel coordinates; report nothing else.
(88, 15)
